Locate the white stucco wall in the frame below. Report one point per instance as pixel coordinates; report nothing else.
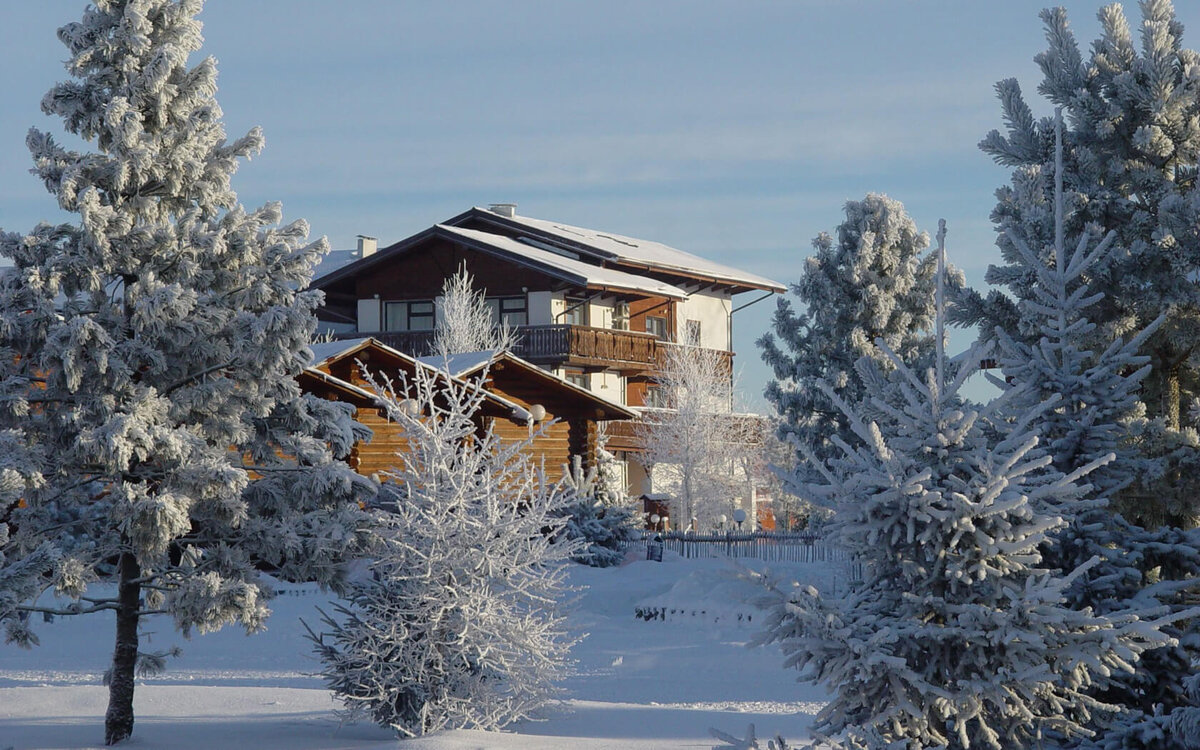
(600, 314)
(541, 308)
(608, 385)
(369, 315)
(712, 310)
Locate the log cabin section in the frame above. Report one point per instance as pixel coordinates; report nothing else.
(520, 400)
(571, 414)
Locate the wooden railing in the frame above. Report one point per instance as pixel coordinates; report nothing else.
(552, 345)
(629, 435)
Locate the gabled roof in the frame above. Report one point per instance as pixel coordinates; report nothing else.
(335, 260)
(460, 364)
(570, 269)
(331, 351)
(629, 251)
(472, 363)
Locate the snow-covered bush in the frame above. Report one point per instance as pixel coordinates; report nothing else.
(459, 623)
(749, 742)
(465, 321)
(153, 433)
(596, 516)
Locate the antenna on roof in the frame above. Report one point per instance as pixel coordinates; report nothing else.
(507, 210)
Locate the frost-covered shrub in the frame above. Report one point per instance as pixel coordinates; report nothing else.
(596, 517)
(749, 742)
(459, 623)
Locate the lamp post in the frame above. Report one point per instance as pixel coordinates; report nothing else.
(654, 519)
(739, 516)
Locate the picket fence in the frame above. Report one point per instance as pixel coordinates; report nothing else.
(761, 545)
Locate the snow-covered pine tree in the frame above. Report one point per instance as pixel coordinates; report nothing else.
(466, 323)
(148, 362)
(956, 637)
(460, 623)
(1136, 568)
(1132, 151)
(871, 282)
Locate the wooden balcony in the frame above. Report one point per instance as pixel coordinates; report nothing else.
(627, 435)
(554, 345)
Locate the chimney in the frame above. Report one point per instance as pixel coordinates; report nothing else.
(366, 245)
(507, 210)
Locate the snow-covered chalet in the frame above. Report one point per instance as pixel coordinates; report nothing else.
(593, 309)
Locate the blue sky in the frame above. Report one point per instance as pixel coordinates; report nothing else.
(734, 130)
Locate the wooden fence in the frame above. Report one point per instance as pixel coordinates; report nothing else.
(761, 545)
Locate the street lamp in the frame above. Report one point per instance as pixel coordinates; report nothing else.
(654, 519)
(739, 516)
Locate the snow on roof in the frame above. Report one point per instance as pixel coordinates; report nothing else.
(584, 274)
(334, 261)
(327, 350)
(459, 364)
(646, 252)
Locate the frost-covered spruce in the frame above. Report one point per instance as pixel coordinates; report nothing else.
(1137, 569)
(1132, 145)
(872, 281)
(459, 623)
(148, 362)
(956, 636)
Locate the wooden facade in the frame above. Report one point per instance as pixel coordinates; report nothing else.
(568, 428)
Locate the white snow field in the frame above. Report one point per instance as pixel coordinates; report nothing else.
(638, 684)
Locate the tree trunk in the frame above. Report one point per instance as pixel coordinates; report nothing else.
(1171, 396)
(118, 721)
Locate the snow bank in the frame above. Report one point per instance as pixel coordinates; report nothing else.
(636, 685)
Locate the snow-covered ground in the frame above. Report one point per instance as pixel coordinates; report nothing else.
(638, 684)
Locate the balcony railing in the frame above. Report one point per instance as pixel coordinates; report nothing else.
(554, 345)
(631, 435)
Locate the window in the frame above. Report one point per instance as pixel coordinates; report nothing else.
(416, 315)
(576, 377)
(511, 310)
(576, 312)
(657, 326)
(691, 333)
(656, 397)
(420, 316)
